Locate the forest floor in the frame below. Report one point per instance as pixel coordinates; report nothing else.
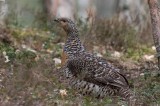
(30, 58)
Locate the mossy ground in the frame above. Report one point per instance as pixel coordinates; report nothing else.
(29, 77)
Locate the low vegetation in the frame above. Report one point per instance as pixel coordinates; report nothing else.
(29, 70)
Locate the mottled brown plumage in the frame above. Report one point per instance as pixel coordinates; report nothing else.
(87, 72)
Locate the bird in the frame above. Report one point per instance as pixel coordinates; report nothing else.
(73, 45)
(87, 72)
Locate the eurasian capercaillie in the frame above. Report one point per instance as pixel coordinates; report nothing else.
(105, 77)
(88, 73)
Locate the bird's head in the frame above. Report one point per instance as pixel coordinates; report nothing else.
(67, 24)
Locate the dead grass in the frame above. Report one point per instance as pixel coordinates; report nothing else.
(31, 77)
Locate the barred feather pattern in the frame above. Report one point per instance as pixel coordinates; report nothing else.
(88, 73)
(93, 71)
(87, 88)
(126, 93)
(73, 45)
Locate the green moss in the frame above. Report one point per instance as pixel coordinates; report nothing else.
(25, 54)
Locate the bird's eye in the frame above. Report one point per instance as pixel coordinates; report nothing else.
(64, 20)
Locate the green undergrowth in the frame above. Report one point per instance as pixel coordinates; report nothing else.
(138, 52)
(29, 77)
(28, 80)
(148, 87)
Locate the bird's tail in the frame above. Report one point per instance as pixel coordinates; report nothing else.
(127, 95)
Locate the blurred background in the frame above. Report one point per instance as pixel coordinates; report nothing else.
(31, 45)
(101, 18)
(29, 13)
(26, 12)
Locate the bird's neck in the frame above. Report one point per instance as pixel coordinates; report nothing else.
(73, 44)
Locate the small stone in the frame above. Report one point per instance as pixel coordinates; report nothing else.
(57, 61)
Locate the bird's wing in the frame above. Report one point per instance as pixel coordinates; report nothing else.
(95, 70)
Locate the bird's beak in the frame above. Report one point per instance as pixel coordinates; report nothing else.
(56, 20)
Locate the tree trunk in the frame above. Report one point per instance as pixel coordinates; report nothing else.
(3, 11)
(155, 21)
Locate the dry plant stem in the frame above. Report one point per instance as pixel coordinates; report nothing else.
(155, 21)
